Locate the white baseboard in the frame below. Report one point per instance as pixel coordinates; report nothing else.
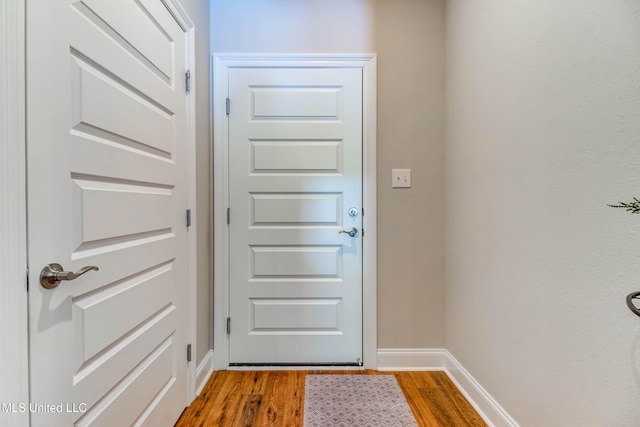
(203, 372)
(481, 400)
(410, 359)
(441, 360)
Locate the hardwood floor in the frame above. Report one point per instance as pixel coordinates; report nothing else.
(276, 398)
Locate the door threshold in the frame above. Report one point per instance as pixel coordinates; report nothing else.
(338, 366)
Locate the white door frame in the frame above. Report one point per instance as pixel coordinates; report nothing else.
(222, 62)
(14, 369)
(187, 25)
(14, 374)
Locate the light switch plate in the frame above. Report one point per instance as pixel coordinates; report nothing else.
(401, 178)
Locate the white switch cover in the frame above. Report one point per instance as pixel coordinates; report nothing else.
(401, 178)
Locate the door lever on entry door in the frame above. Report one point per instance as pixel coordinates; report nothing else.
(52, 274)
(353, 232)
(633, 295)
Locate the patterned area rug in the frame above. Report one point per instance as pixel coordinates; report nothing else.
(355, 400)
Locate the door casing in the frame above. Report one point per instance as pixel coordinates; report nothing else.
(221, 63)
(14, 370)
(13, 202)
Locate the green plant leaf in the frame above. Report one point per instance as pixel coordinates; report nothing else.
(633, 207)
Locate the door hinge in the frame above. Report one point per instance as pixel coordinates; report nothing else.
(362, 231)
(188, 352)
(27, 280)
(228, 106)
(187, 81)
(188, 217)
(228, 216)
(228, 325)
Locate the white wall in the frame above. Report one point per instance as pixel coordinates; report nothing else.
(285, 26)
(408, 36)
(543, 130)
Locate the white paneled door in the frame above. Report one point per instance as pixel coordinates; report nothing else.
(107, 175)
(295, 173)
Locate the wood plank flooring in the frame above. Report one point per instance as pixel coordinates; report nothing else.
(276, 398)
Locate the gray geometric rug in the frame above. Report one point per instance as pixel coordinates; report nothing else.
(355, 400)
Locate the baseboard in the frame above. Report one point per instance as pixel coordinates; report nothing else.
(481, 400)
(204, 371)
(441, 360)
(409, 359)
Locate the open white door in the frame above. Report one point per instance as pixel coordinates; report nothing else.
(295, 182)
(107, 176)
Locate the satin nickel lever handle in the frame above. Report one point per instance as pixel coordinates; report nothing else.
(52, 274)
(353, 232)
(631, 305)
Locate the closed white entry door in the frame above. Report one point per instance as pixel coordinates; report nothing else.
(295, 183)
(107, 165)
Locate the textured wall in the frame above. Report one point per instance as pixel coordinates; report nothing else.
(408, 36)
(198, 11)
(543, 130)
